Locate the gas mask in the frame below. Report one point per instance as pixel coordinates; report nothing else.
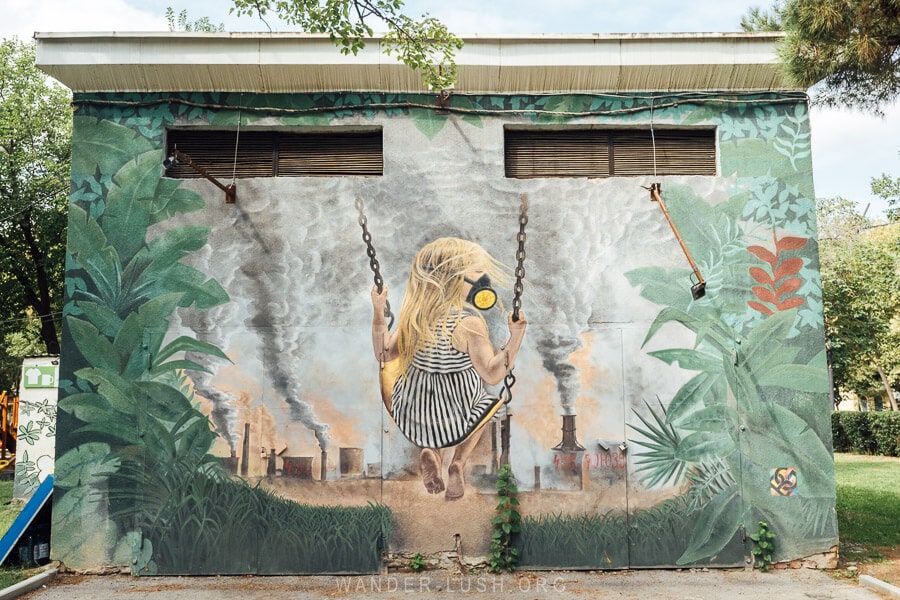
(482, 296)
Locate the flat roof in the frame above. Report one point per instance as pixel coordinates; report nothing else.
(297, 62)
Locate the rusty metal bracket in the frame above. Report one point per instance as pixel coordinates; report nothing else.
(698, 289)
(180, 158)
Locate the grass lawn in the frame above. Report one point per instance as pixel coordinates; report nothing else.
(8, 512)
(868, 507)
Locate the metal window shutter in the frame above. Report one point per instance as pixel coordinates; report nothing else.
(330, 154)
(270, 154)
(677, 153)
(573, 153)
(605, 153)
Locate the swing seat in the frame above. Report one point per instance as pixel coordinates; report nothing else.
(389, 374)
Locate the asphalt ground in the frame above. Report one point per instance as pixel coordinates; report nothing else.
(790, 584)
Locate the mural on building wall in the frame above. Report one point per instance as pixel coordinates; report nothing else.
(219, 399)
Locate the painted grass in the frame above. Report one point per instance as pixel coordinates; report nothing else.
(868, 504)
(199, 524)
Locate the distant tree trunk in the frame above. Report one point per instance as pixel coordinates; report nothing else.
(42, 302)
(888, 390)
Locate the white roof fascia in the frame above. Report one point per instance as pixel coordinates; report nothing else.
(293, 62)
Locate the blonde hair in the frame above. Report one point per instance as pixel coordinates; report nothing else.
(434, 292)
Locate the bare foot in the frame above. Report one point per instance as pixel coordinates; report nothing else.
(456, 481)
(430, 466)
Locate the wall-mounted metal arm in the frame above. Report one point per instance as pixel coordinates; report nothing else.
(698, 290)
(180, 158)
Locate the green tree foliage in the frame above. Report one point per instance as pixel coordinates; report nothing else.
(424, 44)
(35, 147)
(851, 46)
(182, 23)
(760, 19)
(889, 189)
(860, 279)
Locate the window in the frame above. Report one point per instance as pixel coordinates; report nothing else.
(588, 152)
(277, 153)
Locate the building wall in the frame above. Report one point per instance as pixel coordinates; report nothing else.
(721, 403)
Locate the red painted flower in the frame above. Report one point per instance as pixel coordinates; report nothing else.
(780, 280)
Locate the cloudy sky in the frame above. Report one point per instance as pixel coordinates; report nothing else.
(849, 148)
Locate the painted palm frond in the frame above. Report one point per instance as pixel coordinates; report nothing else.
(659, 463)
(708, 480)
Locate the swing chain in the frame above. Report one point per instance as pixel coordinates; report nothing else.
(520, 258)
(373, 261)
(510, 380)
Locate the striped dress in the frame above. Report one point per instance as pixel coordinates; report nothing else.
(442, 399)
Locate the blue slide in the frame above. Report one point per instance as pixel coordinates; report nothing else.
(26, 517)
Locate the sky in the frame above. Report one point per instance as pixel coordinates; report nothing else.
(849, 147)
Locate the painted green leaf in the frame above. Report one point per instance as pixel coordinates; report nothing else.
(702, 445)
(123, 430)
(170, 200)
(129, 335)
(142, 555)
(691, 397)
(196, 439)
(199, 290)
(162, 401)
(127, 214)
(658, 285)
(158, 440)
(668, 315)
(77, 521)
(429, 122)
(767, 339)
(777, 437)
(714, 419)
(117, 391)
(175, 365)
(89, 407)
(154, 316)
(175, 244)
(89, 248)
(93, 345)
(105, 320)
(188, 344)
(802, 378)
(83, 465)
(780, 354)
(692, 360)
(741, 383)
(84, 235)
(104, 145)
(473, 120)
(714, 526)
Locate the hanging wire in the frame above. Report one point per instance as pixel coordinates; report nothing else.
(237, 138)
(30, 318)
(652, 136)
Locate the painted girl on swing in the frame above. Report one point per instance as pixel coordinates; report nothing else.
(442, 356)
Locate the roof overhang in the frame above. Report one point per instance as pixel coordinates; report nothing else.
(294, 62)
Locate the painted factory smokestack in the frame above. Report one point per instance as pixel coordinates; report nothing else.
(569, 443)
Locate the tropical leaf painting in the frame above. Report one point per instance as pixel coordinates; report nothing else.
(135, 441)
(735, 420)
